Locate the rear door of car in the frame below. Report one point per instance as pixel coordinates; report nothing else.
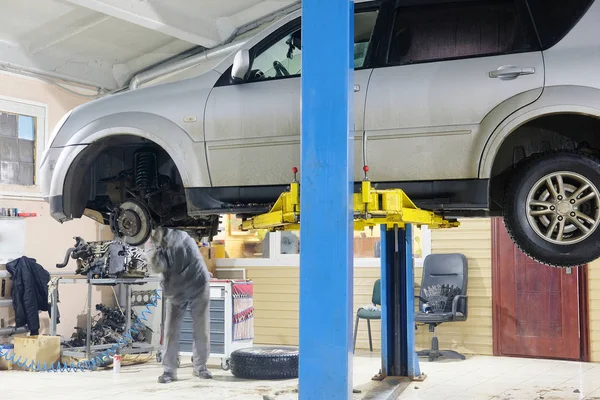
(447, 66)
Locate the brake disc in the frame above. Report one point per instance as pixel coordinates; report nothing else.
(132, 223)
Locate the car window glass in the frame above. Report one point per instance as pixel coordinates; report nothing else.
(555, 18)
(284, 57)
(364, 23)
(459, 30)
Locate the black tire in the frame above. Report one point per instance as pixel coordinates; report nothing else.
(265, 363)
(516, 209)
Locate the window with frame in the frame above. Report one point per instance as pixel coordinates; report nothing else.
(460, 30)
(284, 57)
(17, 149)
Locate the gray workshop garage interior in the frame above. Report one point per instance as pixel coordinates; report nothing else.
(481, 116)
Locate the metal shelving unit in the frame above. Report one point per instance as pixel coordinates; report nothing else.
(88, 350)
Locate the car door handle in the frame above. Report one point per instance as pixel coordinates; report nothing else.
(511, 72)
(356, 88)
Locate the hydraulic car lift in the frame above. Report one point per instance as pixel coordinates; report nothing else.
(395, 213)
(372, 207)
(330, 130)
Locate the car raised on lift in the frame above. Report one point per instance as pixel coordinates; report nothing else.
(474, 108)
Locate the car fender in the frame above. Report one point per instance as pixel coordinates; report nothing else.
(188, 156)
(61, 168)
(554, 100)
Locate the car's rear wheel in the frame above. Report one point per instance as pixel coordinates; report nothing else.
(552, 208)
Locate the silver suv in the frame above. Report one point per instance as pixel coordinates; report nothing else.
(474, 108)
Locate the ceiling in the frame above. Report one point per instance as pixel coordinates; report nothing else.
(104, 43)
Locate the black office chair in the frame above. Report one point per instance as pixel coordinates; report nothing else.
(443, 298)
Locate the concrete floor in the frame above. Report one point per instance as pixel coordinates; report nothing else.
(501, 378)
(476, 378)
(139, 382)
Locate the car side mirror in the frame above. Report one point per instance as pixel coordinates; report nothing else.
(241, 65)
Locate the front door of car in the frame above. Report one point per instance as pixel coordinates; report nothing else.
(252, 127)
(446, 67)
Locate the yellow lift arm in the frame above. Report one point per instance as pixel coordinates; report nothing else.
(371, 208)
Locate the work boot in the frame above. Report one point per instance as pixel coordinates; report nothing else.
(203, 373)
(167, 377)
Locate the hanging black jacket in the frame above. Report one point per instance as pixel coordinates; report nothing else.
(29, 293)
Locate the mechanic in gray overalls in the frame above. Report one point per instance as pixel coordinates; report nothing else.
(186, 283)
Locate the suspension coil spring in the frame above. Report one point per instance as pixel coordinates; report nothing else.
(94, 362)
(145, 169)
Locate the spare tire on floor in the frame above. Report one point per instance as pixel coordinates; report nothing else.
(265, 363)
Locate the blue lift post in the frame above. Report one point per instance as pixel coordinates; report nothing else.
(326, 205)
(398, 355)
(326, 168)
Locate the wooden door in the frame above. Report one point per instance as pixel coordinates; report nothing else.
(538, 311)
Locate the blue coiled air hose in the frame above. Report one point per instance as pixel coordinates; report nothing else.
(89, 365)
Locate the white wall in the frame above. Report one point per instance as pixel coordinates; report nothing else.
(45, 239)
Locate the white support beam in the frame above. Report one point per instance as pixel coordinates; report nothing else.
(256, 12)
(47, 35)
(162, 17)
(75, 69)
(124, 71)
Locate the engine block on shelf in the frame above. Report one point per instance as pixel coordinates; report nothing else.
(107, 259)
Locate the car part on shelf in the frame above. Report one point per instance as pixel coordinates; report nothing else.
(107, 259)
(141, 297)
(108, 329)
(93, 363)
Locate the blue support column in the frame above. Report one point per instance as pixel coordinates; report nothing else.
(412, 368)
(397, 304)
(385, 277)
(326, 255)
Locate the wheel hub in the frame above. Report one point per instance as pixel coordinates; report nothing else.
(132, 223)
(129, 223)
(563, 207)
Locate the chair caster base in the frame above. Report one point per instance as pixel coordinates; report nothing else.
(435, 354)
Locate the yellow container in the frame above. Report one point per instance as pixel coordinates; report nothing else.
(219, 250)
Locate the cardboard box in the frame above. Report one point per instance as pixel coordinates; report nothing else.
(364, 247)
(209, 257)
(42, 349)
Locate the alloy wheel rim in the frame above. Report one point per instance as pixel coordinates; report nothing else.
(563, 208)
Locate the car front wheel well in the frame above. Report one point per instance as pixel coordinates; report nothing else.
(120, 168)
